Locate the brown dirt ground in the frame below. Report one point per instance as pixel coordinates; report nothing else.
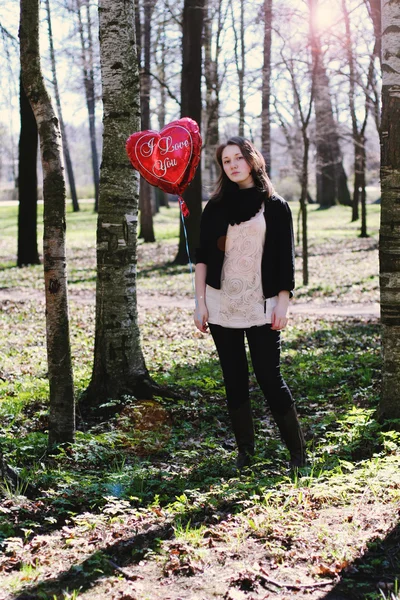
(151, 300)
(231, 561)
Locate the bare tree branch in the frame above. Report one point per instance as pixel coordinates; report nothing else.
(165, 85)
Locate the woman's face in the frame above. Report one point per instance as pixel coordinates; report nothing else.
(236, 167)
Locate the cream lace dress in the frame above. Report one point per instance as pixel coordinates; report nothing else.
(240, 301)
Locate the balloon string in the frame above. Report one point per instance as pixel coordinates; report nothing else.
(187, 250)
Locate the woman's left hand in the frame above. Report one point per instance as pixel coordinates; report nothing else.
(279, 318)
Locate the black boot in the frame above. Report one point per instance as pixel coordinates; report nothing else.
(243, 428)
(292, 435)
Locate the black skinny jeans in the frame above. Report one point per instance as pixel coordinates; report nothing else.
(265, 349)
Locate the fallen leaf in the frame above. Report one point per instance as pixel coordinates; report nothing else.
(331, 570)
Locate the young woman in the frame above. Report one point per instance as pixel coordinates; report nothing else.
(244, 280)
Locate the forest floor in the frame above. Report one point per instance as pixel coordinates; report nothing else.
(149, 301)
(148, 505)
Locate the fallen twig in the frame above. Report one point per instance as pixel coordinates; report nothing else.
(295, 586)
(124, 572)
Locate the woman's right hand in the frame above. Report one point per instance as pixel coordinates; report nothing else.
(201, 317)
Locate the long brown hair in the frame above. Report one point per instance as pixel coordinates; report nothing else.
(254, 159)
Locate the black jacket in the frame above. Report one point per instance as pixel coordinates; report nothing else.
(277, 265)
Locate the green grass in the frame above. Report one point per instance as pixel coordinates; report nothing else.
(333, 242)
(184, 466)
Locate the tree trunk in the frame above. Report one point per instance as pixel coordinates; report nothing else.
(209, 79)
(211, 72)
(67, 156)
(146, 212)
(91, 104)
(27, 185)
(62, 408)
(9, 94)
(139, 45)
(239, 61)
(331, 177)
(213, 84)
(375, 13)
(88, 83)
(304, 117)
(193, 15)
(303, 207)
(266, 87)
(389, 238)
(357, 172)
(119, 367)
(353, 114)
(359, 195)
(138, 33)
(363, 197)
(241, 71)
(162, 69)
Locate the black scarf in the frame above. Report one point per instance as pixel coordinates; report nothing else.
(242, 204)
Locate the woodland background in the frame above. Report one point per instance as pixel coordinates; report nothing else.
(117, 476)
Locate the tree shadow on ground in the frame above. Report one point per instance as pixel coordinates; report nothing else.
(326, 252)
(203, 417)
(378, 569)
(163, 268)
(110, 559)
(201, 434)
(84, 575)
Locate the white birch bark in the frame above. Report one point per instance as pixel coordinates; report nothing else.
(119, 366)
(62, 409)
(389, 239)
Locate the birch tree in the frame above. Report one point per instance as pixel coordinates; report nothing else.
(62, 408)
(160, 67)
(67, 155)
(389, 238)
(215, 69)
(240, 59)
(358, 128)
(119, 367)
(211, 75)
(87, 58)
(146, 209)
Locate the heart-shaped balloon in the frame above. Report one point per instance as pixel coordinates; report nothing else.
(168, 158)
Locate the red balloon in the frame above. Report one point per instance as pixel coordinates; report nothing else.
(168, 158)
